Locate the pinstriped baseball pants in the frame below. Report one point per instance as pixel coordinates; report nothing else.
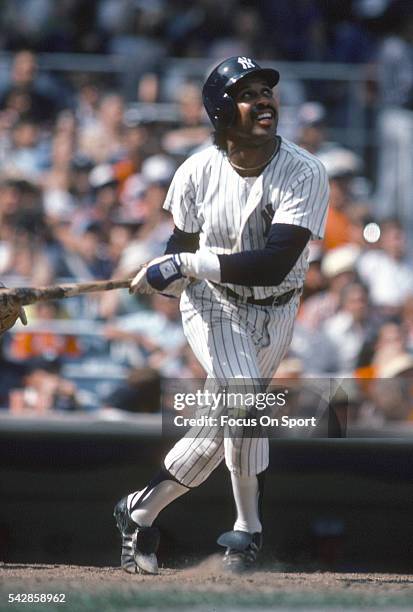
(231, 341)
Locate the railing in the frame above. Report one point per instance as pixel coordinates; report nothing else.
(353, 132)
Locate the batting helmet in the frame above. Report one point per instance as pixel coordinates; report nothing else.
(218, 102)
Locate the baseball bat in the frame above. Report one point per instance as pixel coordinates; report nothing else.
(23, 296)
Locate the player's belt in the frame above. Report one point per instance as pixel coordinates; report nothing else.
(273, 300)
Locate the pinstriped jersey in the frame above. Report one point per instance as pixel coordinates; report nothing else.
(234, 214)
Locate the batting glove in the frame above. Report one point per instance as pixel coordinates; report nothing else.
(161, 272)
(157, 275)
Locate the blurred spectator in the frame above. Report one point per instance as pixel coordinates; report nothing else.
(82, 256)
(104, 184)
(349, 40)
(295, 28)
(310, 354)
(391, 391)
(148, 88)
(407, 320)
(21, 208)
(193, 130)
(97, 200)
(136, 146)
(245, 37)
(389, 350)
(26, 93)
(44, 390)
(386, 271)
(25, 262)
(190, 32)
(312, 128)
(349, 328)
(102, 140)
(338, 269)
(141, 392)
(155, 335)
(133, 28)
(383, 352)
(342, 166)
(79, 186)
(395, 59)
(157, 225)
(57, 177)
(315, 281)
(121, 233)
(27, 155)
(23, 233)
(150, 226)
(30, 344)
(395, 120)
(11, 373)
(87, 102)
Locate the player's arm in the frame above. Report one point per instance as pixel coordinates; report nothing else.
(269, 266)
(259, 268)
(182, 242)
(263, 267)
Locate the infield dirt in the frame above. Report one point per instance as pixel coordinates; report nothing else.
(204, 587)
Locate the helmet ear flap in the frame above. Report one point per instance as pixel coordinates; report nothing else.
(225, 112)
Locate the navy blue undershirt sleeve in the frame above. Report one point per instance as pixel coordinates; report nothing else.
(182, 242)
(269, 266)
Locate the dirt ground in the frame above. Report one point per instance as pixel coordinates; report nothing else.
(204, 587)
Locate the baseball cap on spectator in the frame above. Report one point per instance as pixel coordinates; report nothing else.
(311, 113)
(339, 260)
(158, 169)
(101, 176)
(341, 163)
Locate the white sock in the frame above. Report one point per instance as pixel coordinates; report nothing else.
(246, 492)
(154, 501)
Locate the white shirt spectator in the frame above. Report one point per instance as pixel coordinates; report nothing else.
(347, 338)
(390, 282)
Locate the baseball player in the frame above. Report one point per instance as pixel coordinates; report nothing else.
(244, 210)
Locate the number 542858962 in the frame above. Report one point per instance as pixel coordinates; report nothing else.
(37, 598)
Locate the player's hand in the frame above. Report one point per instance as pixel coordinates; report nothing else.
(158, 275)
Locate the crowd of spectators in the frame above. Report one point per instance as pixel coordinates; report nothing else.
(311, 30)
(84, 175)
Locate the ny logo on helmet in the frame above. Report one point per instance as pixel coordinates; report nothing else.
(246, 62)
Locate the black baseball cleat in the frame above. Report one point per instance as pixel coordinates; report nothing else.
(139, 544)
(242, 549)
